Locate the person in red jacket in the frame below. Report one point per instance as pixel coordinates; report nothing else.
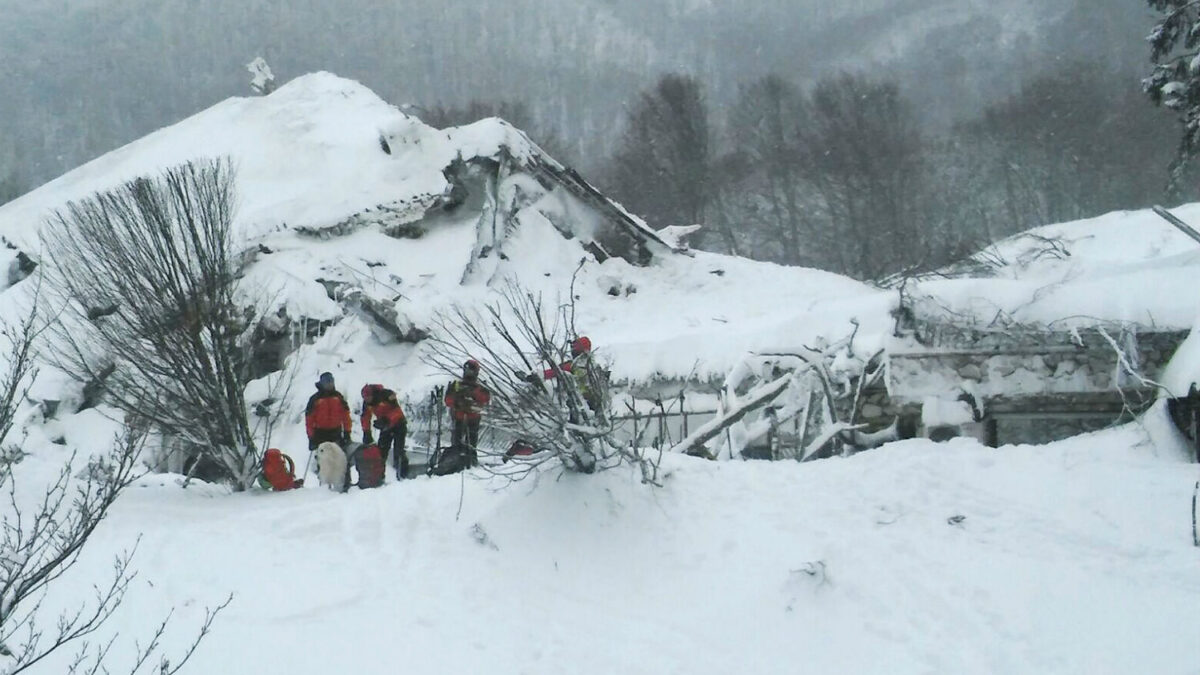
(327, 416)
(579, 367)
(381, 404)
(466, 399)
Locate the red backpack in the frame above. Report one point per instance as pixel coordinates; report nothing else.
(519, 448)
(369, 463)
(279, 471)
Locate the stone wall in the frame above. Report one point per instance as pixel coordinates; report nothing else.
(1033, 386)
(1059, 362)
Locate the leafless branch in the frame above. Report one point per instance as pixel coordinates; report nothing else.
(169, 346)
(564, 418)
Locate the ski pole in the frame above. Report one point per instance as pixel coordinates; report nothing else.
(308, 464)
(1195, 533)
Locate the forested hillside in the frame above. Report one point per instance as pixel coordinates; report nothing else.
(124, 68)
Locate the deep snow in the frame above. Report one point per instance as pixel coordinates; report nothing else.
(1125, 266)
(1074, 557)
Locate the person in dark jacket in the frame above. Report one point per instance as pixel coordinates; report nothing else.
(380, 404)
(466, 399)
(327, 415)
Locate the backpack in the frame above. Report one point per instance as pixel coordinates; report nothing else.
(452, 460)
(279, 471)
(519, 448)
(369, 464)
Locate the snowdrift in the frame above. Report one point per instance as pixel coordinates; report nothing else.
(915, 558)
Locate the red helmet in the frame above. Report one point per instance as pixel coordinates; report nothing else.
(369, 391)
(471, 367)
(580, 345)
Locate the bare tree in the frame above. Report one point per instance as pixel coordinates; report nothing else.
(663, 168)
(766, 125)
(566, 419)
(147, 282)
(42, 539)
(863, 153)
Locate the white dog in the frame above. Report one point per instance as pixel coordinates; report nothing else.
(331, 466)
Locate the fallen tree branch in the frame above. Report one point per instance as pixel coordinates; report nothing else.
(752, 401)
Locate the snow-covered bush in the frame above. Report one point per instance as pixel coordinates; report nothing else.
(146, 279)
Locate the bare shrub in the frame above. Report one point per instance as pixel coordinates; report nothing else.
(43, 532)
(565, 419)
(147, 281)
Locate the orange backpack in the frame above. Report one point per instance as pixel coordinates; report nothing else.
(279, 470)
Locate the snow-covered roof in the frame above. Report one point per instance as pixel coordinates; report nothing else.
(1122, 267)
(323, 151)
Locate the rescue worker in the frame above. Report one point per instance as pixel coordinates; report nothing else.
(466, 399)
(579, 366)
(327, 416)
(381, 404)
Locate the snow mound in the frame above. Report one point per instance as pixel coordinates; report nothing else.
(918, 557)
(915, 557)
(1127, 266)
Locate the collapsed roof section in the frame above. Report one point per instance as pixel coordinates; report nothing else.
(324, 156)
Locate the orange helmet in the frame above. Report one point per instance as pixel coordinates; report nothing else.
(580, 345)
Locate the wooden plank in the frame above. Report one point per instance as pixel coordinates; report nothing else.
(1179, 224)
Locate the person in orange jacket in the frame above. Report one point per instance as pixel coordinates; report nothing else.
(579, 366)
(327, 415)
(381, 404)
(466, 399)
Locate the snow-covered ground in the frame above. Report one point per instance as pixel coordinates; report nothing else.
(1074, 557)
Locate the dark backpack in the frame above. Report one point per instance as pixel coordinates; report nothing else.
(452, 460)
(369, 464)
